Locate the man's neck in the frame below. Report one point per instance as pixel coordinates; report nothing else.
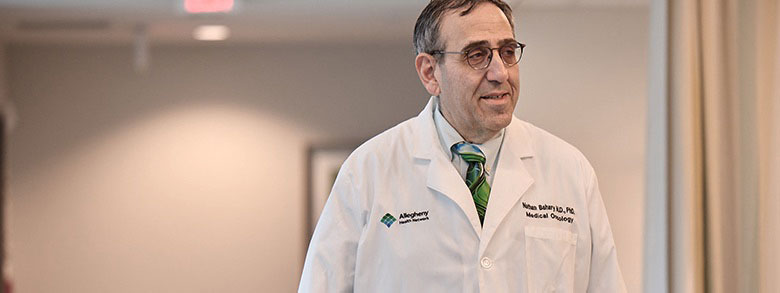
(470, 134)
(476, 137)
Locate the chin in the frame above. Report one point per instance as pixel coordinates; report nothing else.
(498, 123)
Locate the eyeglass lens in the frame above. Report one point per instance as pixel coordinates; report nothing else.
(479, 58)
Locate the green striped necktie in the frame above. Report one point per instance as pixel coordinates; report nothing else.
(476, 177)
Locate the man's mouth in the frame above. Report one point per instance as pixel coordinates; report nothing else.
(495, 97)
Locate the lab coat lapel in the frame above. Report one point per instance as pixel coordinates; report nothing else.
(443, 178)
(511, 180)
(441, 174)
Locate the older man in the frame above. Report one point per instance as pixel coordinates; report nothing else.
(464, 197)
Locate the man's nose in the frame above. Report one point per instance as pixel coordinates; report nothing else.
(497, 70)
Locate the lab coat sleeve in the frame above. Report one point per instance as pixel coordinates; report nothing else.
(605, 275)
(330, 260)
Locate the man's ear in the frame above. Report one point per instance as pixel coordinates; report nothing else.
(426, 67)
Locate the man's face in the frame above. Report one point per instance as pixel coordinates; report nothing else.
(478, 103)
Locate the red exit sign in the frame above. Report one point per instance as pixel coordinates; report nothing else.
(208, 6)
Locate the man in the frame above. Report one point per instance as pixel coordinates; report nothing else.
(464, 197)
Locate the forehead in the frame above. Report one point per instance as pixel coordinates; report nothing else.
(486, 22)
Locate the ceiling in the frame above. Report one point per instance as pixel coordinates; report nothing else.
(253, 21)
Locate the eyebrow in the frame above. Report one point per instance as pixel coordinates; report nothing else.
(473, 45)
(506, 41)
(484, 43)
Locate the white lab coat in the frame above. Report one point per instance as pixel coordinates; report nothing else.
(545, 230)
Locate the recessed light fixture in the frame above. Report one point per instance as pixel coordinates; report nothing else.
(211, 33)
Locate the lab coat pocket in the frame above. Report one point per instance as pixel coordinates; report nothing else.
(550, 254)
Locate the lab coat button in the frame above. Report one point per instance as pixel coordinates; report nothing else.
(486, 263)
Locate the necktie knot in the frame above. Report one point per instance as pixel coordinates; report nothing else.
(469, 152)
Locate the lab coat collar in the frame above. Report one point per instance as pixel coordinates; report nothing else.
(426, 139)
(522, 145)
(511, 182)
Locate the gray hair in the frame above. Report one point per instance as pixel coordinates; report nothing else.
(426, 30)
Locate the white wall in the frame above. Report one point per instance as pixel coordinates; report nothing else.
(187, 179)
(190, 178)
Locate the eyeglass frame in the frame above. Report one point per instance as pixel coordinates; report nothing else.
(489, 58)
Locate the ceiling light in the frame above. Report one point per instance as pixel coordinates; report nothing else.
(208, 6)
(211, 33)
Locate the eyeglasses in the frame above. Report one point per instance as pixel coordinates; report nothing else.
(480, 57)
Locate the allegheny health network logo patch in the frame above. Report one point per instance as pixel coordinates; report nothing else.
(388, 220)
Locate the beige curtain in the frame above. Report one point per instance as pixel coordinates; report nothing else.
(768, 81)
(723, 145)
